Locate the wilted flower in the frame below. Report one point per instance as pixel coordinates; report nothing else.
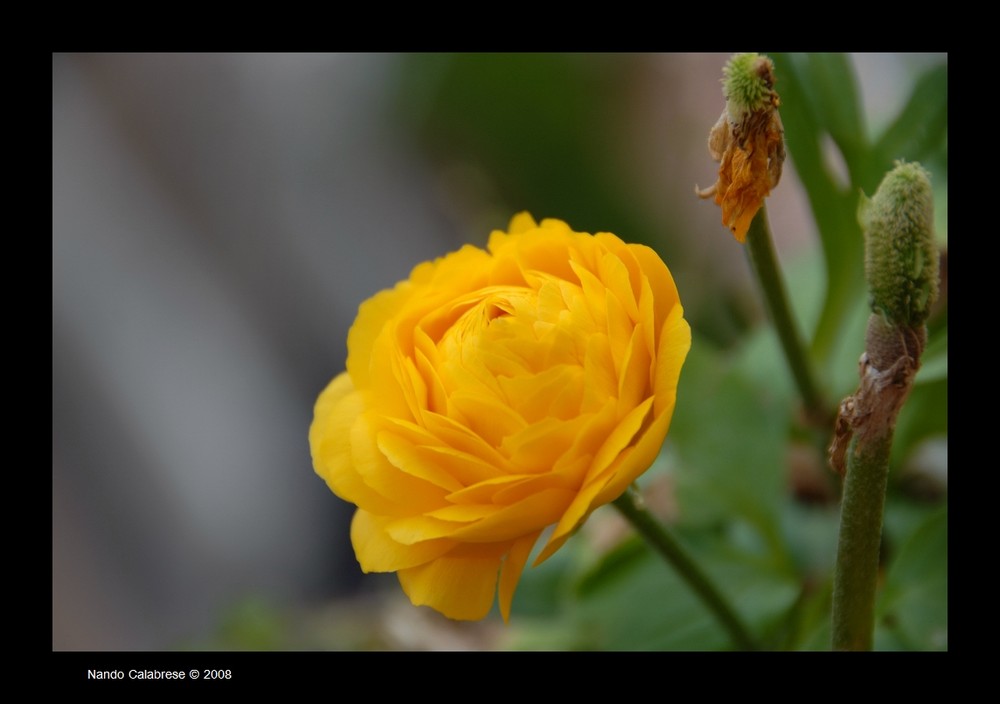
(495, 393)
(748, 141)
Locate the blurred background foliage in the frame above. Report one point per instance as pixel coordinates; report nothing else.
(617, 143)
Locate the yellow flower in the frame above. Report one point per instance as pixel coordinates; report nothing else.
(493, 394)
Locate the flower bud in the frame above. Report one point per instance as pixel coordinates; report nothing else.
(901, 259)
(748, 83)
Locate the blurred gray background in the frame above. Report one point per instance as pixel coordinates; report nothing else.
(217, 219)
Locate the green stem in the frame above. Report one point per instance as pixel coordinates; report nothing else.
(860, 539)
(765, 265)
(669, 548)
(899, 230)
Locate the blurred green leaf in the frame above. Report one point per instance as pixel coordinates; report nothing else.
(934, 361)
(807, 118)
(846, 351)
(809, 626)
(922, 124)
(251, 624)
(903, 516)
(914, 603)
(828, 83)
(650, 608)
(730, 437)
(612, 566)
(544, 591)
(762, 357)
(529, 125)
(924, 415)
(811, 535)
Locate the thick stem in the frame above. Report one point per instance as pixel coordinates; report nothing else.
(870, 417)
(860, 539)
(686, 567)
(902, 273)
(765, 265)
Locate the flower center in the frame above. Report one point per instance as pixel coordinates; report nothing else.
(518, 353)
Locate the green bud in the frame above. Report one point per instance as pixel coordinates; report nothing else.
(901, 258)
(748, 84)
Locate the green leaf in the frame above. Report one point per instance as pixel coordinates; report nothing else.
(250, 624)
(914, 603)
(924, 415)
(807, 119)
(923, 123)
(811, 535)
(612, 566)
(533, 131)
(730, 437)
(934, 360)
(812, 619)
(649, 607)
(542, 590)
(829, 84)
(903, 516)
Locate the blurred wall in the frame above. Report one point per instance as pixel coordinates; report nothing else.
(216, 221)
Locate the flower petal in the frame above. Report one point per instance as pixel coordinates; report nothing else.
(634, 382)
(373, 315)
(378, 552)
(574, 515)
(664, 290)
(530, 514)
(598, 476)
(510, 573)
(337, 410)
(381, 475)
(460, 584)
(403, 455)
(675, 342)
(412, 530)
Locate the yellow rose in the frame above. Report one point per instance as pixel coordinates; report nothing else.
(493, 394)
